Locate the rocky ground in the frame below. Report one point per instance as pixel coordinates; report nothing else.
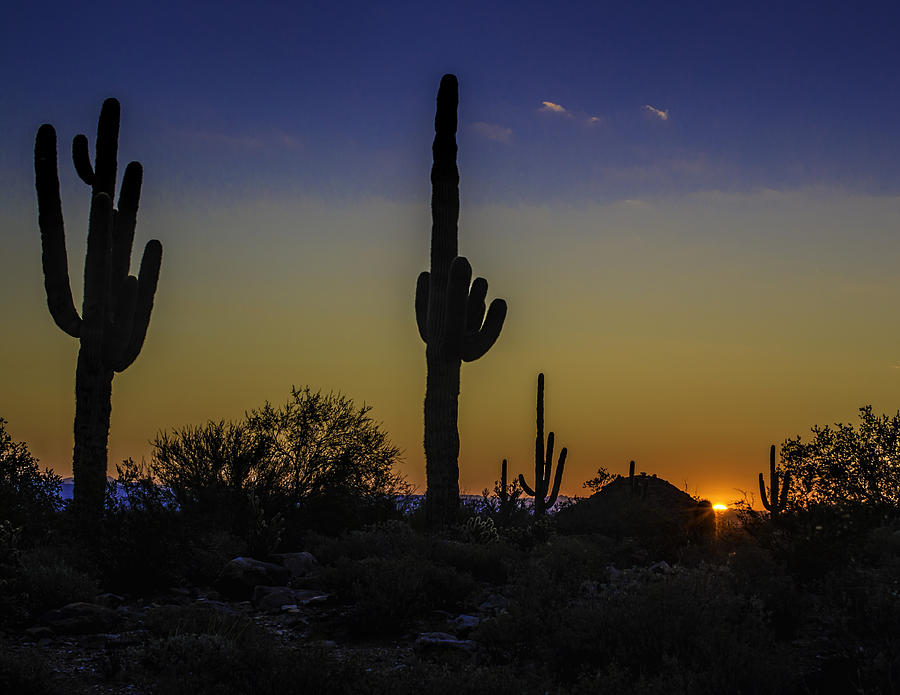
(86, 645)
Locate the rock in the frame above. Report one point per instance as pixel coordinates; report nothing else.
(275, 599)
(300, 564)
(39, 632)
(661, 567)
(241, 575)
(80, 619)
(464, 624)
(495, 603)
(109, 600)
(441, 641)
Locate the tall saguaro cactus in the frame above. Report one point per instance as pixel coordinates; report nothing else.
(543, 462)
(116, 307)
(779, 497)
(450, 316)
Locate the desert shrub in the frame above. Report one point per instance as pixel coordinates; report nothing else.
(511, 512)
(388, 539)
(485, 563)
(318, 461)
(200, 650)
(387, 594)
(689, 626)
(28, 497)
(599, 481)
(436, 678)
(11, 608)
(47, 580)
(208, 469)
(24, 672)
(846, 465)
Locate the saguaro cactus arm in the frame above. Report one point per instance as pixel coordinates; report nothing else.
(53, 239)
(146, 283)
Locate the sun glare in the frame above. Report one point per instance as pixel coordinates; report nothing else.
(720, 507)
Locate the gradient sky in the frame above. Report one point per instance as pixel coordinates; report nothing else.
(691, 209)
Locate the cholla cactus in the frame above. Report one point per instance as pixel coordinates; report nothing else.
(481, 530)
(116, 308)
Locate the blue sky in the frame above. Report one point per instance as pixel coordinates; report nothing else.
(692, 210)
(768, 94)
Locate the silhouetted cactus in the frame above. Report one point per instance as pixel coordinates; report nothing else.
(543, 462)
(116, 307)
(778, 497)
(638, 485)
(450, 316)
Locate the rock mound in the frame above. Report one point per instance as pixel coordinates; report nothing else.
(645, 506)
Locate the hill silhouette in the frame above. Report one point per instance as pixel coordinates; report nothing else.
(644, 506)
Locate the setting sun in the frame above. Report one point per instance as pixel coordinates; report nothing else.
(720, 507)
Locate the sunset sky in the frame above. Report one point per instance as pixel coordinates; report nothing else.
(691, 209)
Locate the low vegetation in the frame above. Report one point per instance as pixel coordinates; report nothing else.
(805, 601)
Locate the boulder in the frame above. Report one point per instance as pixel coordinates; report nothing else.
(464, 624)
(443, 641)
(80, 619)
(300, 564)
(242, 574)
(275, 599)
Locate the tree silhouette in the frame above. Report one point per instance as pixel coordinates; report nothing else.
(450, 316)
(846, 465)
(116, 309)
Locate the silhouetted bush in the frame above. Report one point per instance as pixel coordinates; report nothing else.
(28, 497)
(844, 465)
(24, 672)
(639, 632)
(386, 594)
(316, 462)
(47, 580)
(205, 650)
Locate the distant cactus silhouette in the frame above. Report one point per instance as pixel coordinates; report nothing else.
(638, 485)
(543, 462)
(116, 308)
(778, 497)
(504, 491)
(450, 316)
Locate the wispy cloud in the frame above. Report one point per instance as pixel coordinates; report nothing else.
(550, 107)
(594, 120)
(260, 141)
(491, 131)
(661, 114)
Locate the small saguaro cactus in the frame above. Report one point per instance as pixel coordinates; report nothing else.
(116, 308)
(543, 462)
(639, 484)
(778, 497)
(503, 492)
(450, 316)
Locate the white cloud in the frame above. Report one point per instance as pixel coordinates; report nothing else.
(552, 108)
(663, 115)
(491, 131)
(594, 120)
